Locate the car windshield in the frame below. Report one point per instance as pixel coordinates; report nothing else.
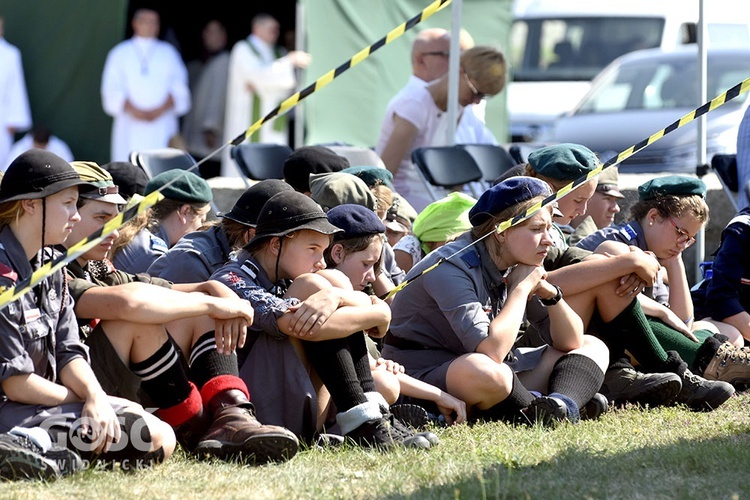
(576, 48)
(657, 84)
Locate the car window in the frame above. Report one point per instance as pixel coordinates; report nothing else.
(657, 85)
(576, 48)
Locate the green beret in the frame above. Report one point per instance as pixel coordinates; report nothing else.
(563, 162)
(372, 175)
(187, 186)
(678, 185)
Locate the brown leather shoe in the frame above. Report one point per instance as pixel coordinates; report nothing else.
(235, 433)
(192, 431)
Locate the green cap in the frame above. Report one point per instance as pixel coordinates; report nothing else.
(444, 218)
(372, 175)
(187, 186)
(677, 185)
(331, 189)
(563, 162)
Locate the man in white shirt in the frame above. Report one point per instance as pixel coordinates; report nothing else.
(144, 88)
(261, 75)
(15, 113)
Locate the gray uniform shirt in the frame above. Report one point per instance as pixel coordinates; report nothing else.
(630, 233)
(38, 332)
(194, 258)
(142, 251)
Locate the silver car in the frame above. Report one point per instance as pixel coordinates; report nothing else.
(643, 92)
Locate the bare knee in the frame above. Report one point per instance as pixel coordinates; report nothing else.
(387, 384)
(596, 350)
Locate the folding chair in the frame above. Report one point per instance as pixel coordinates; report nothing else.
(258, 161)
(725, 166)
(156, 161)
(358, 156)
(491, 159)
(448, 167)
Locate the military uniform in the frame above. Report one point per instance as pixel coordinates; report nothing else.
(275, 376)
(142, 251)
(447, 312)
(115, 377)
(194, 258)
(630, 233)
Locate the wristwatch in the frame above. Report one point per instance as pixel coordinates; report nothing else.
(554, 300)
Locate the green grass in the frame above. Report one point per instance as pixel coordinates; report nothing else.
(628, 453)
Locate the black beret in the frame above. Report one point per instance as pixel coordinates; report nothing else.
(308, 160)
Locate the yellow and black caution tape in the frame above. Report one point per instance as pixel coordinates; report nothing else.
(714, 103)
(75, 251)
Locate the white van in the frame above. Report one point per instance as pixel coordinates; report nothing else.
(557, 47)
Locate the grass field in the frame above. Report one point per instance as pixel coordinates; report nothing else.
(628, 453)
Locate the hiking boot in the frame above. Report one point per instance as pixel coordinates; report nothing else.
(236, 433)
(22, 459)
(730, 364)
(626, 385)
(547, 411)
(701, 394)
(191, 432)
(595, 407)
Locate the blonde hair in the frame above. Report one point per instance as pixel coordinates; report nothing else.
(128, 231)
(486, 67)
(10, 212)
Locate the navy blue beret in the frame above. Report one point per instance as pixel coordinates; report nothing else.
(355, 220)
(511, 191)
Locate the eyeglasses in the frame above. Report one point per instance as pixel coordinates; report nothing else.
(440, 53)
(474, 92)
(683, 237)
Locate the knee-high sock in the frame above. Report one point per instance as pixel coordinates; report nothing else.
(673, 340)
(163, 377)
(510, 407)
(212, 371)
(332, 360)
(576, 376)
(361, 360)
(630, 330)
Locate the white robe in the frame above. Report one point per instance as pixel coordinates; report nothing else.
(14, 101)
(55, 145)
(145, 71)
(271, 78)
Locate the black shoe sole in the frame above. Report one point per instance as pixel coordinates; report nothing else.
(546, 411)
(256, 449)
(414, 416)
(20, 464)
(657, 395)
(595, 407)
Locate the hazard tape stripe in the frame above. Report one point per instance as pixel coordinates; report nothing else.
(80, 248)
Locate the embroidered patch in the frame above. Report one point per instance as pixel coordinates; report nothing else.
(7, 272)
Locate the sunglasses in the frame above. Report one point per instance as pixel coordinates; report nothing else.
(683, 237)
(474, 92)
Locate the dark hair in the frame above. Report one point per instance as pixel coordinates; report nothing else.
(353, 245)
(670, 205)
(235, 232)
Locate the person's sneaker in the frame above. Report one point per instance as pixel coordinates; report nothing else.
(326, 440)
(700, 394)
(730, 364)
(21, 459)
(547, 411)
(375, 433)
(410, 438)
(412, 415)
(596, 406)
(626, 385)
(236, 433)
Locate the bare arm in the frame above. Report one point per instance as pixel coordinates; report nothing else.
(34, 390)
(399, 143)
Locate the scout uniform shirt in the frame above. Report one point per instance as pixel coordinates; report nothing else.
(194, 258)
(38, 331)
